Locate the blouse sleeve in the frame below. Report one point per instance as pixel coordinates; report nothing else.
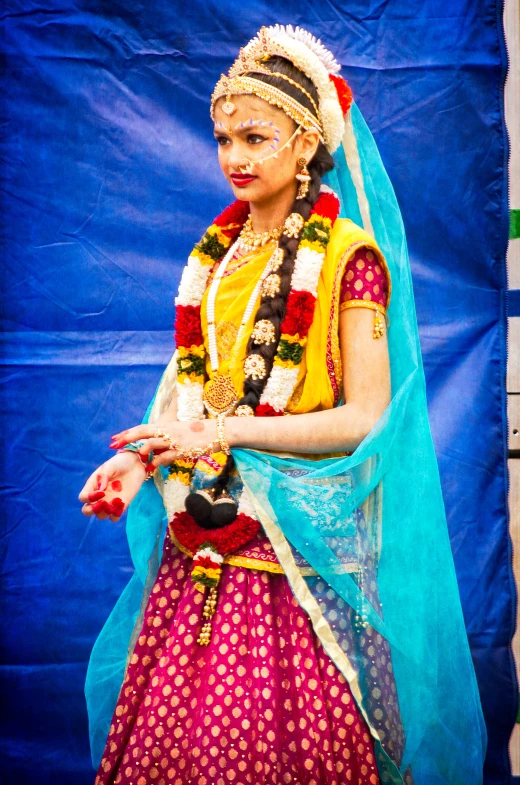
(364, 282)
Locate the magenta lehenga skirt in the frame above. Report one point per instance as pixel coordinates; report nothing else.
(262, 703)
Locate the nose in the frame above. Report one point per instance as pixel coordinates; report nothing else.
(237, 157)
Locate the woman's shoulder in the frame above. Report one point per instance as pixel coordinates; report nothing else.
(357, 261)
(345, 233)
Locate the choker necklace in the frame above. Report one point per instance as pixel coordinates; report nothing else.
(249, 240)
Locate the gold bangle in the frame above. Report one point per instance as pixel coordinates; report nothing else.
(163, 435)
(192, 454)
(221, 434)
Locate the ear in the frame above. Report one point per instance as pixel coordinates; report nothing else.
(308, 142)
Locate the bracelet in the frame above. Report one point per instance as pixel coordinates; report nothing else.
(221, 434)
(135, 447)
(192, 454)
(163, 435)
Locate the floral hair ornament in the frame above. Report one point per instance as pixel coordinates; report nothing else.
(307, 54)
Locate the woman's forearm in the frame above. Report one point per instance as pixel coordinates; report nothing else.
(334, 430)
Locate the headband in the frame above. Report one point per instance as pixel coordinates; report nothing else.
(307, 54)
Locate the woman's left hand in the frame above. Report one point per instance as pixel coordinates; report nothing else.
(182, 436)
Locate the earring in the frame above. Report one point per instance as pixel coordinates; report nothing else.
(304, 177)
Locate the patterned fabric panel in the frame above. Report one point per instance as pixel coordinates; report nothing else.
(364, 279)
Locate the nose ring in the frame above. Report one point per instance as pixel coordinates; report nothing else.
(246, 168)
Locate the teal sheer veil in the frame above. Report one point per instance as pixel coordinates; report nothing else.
(385, 601)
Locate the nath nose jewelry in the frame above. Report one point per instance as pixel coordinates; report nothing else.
(246, 168)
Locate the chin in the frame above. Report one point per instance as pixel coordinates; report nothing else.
(248, 193)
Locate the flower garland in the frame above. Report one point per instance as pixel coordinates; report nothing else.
(191, 352)
(300, 307)
(208, 547)
(228, 539)
(188, 329)
(301, 301)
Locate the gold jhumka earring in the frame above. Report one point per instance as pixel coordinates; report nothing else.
(304, 178)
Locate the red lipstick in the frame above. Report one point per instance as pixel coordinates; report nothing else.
(241, 180)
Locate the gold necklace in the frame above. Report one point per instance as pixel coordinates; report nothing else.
(220, 396)
(250, 240)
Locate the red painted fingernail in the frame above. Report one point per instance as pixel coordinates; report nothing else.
(116, 485)
(118, 506)
(102, 506)
(96, 496)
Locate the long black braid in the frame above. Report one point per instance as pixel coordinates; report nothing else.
(273, 308)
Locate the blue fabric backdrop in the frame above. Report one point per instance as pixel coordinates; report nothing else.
(110, 174)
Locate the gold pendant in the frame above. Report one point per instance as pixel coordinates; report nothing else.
(220, 396)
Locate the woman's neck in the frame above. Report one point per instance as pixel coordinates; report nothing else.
(271, 214)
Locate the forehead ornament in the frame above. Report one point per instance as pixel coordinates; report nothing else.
(228, 107)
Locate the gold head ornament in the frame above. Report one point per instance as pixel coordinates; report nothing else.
(309, 56)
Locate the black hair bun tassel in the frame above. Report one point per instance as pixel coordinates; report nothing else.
(223, 511)
(199, 506)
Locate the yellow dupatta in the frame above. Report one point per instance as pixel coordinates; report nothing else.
(319, 381)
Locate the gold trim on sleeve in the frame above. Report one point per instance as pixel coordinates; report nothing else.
(363, 304)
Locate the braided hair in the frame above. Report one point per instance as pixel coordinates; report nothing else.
(273, 308)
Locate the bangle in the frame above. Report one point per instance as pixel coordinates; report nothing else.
(221, 434)
(192, 454)
(135, 447)
(171, 444)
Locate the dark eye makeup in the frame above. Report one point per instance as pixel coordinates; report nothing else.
(251, 139)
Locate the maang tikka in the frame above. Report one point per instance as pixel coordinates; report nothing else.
(304, 177)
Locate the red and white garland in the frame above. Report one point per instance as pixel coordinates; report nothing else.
(191, 353)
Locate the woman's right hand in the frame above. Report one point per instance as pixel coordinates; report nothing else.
(119, 478)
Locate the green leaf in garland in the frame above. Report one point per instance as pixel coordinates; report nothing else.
(290, 351)
(192, 363)
(317, 232)
(211, 246)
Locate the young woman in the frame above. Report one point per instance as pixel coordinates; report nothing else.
(294, 615)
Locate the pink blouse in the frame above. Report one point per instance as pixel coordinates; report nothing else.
(364, 280)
